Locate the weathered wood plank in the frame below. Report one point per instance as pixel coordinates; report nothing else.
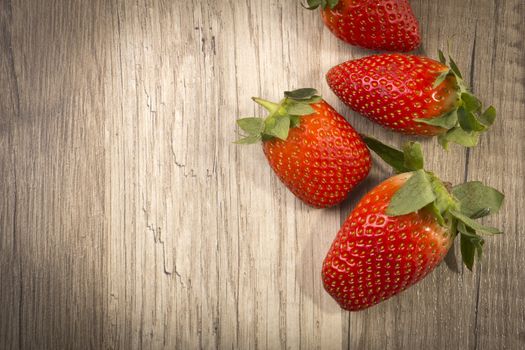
(499, 160)
(10, 259)
(52, 162)
(230, 237)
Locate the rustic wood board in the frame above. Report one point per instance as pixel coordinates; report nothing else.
(129, 220)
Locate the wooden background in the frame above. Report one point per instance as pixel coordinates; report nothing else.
(129, 220)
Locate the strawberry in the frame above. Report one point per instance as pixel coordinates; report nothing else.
(372, 24)
(402, 229)
(412, 95)
(313, 150)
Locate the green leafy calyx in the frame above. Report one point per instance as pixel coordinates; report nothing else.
(407, 160)
(282, 116)
(456, 209)
(467, 120)
(314, 4)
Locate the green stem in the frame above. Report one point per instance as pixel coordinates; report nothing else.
(268, 105)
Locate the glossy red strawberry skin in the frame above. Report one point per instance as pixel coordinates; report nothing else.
(375, 256)
(322, 159)
(378, 25)
(394, 89)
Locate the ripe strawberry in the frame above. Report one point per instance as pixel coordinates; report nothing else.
(372, 24)
(313, 150)
(402, 229)
(412, 95)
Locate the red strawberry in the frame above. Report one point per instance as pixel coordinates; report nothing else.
(402, 229)
(412, 95)
(372, 24)
(313, 150)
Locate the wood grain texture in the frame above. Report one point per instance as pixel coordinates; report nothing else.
(129, 220)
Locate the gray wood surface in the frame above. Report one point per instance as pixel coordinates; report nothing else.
(128, 219)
